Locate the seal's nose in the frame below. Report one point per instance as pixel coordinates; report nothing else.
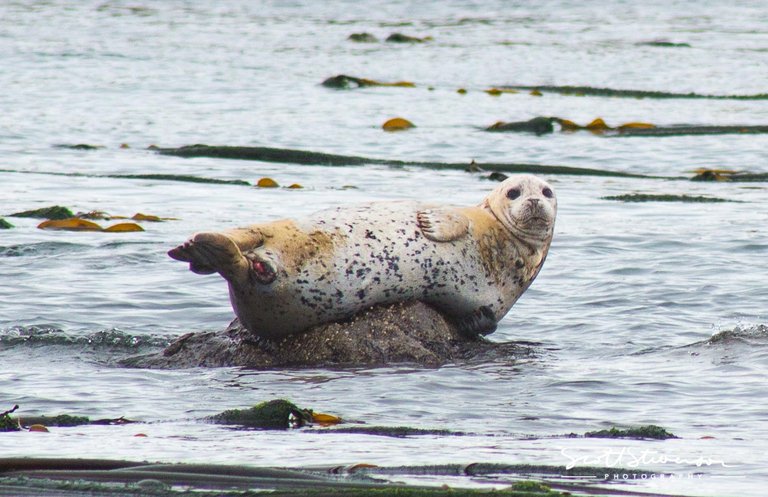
(534, 201)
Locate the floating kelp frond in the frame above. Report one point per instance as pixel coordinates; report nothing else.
(7, 423)
(685, 130)
(544, 125)
(640, 432)
(71, 224)
(728, 176)
(643, 197)
(344, 82)
(401, 38)
(123, 228)
(151, 218)
(663, 44)
(79, 146)
(395, 431)
(397, 124)
(288, 156)
(267, 183)
(180, 177)
(612, 92)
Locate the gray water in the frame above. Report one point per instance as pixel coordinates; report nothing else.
(621, 313)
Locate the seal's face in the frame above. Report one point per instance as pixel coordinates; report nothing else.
(526, 206)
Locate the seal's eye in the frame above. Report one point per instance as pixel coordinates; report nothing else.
(547, 192)
(513, 193)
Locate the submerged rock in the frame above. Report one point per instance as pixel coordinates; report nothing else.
(401, 38)
(639, 432)
(275, 414)
(362, 38)
(537, 125)
(411, 332)
(55, 212)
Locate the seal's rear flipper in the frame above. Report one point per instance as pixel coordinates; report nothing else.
(209, 253)
(480, 322)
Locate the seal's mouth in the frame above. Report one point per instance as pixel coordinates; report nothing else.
(538, 221)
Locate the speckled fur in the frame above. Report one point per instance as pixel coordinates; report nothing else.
(287, 276)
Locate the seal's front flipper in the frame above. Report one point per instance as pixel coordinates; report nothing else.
(209, 253)
(442, 225)
(480, 322)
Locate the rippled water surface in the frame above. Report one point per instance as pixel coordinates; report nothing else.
(622, 312)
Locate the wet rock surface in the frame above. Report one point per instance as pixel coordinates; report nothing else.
(410, 333)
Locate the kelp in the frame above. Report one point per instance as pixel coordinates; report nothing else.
(623, 93)
(100, 477)
(304, 157)
(7, 423)
(79, 224)
(395, 431)
(180, 177)
(267, 183)
(80, 146)
(644, 197)
(726, 175)
(685, 130)
(652, 432)
(344, 82)
(70, 224)
(397, 124)
(544, 125)
(663, 44)
(5, 225)
(42, 423)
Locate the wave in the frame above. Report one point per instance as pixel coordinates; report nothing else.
(755, 335)
(51, 336)
(38, 249)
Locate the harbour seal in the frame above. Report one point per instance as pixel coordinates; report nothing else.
(470, 263)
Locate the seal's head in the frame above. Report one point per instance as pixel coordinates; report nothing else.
(526, 206)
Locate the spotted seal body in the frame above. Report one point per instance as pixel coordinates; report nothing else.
(471, 263)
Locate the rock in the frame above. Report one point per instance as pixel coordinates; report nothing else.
(5, 225)
(401, 38)
(342, 81)
(362, 38)
(537, 125)
(411, 332)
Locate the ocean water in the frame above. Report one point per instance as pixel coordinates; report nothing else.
(623, 314)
